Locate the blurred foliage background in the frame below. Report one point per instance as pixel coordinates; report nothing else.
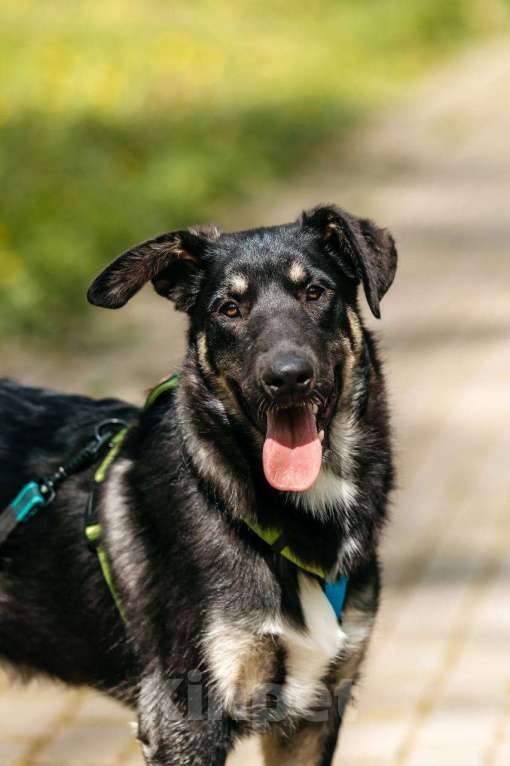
(121, 119)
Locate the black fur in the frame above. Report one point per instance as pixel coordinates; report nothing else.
(173, 504)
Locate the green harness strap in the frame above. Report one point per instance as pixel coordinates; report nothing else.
(271, 536)
(334, 590)
(165, 385)
(93, 531)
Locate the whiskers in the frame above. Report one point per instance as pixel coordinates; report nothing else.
(265, 406)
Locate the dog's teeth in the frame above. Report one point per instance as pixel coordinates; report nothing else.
(321, 435)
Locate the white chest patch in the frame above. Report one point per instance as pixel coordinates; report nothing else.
(308, 651)
(327, 494)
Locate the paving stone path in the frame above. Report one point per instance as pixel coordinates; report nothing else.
(436, 690)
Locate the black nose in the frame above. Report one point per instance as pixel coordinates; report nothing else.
(288, 374)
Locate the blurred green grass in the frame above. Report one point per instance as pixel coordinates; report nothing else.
(121, 119)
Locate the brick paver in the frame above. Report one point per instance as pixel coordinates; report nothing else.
(437, 684)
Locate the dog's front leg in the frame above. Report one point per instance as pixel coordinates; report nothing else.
(310, 742)
(174, 733)
(311, 745)
(188, 743)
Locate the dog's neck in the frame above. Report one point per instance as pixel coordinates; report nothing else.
(225, 453)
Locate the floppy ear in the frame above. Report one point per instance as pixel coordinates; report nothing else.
(364, 252)
(171, 262)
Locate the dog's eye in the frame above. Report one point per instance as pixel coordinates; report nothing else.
(314, 292)
(231, 310)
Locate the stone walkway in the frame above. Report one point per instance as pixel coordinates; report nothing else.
(437, 684)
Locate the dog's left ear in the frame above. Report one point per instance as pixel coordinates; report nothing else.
(364, 252)
(171, 262)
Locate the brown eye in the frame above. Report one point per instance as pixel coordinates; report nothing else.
(231, 310)
(314, 292)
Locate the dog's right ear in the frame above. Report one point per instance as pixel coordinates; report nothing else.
(171, 262)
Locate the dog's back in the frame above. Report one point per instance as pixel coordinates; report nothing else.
(44, 628)
(41, 428)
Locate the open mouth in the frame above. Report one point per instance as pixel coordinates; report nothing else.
(295, 434)
(292, 452)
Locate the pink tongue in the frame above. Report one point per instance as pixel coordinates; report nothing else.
(292, 451)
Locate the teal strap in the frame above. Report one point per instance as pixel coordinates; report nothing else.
(28, 499)
(24, 505)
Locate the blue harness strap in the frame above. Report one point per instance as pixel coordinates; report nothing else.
(24, 505)
(335, 593)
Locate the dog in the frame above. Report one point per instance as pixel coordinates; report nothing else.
(279, 421)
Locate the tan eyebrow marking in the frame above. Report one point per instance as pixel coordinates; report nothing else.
(238, 283)
(296, 272)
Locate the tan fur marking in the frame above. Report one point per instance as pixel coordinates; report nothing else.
(238, 283)
(242, 664)
(352, 352)
(296, 273)
(207, 458)
(356, 330)
(206, 367)
(202, 353)
(348, 371)
(301, 749)
(226, 393)
(257, 670)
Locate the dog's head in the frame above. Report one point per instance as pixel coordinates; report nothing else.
(270, 311)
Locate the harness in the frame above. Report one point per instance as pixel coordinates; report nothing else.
(110, 435)
(334, 590)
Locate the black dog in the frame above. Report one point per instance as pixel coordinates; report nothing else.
(234, 497)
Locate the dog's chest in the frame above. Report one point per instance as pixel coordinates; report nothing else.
(309, 652)
(244, 660)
